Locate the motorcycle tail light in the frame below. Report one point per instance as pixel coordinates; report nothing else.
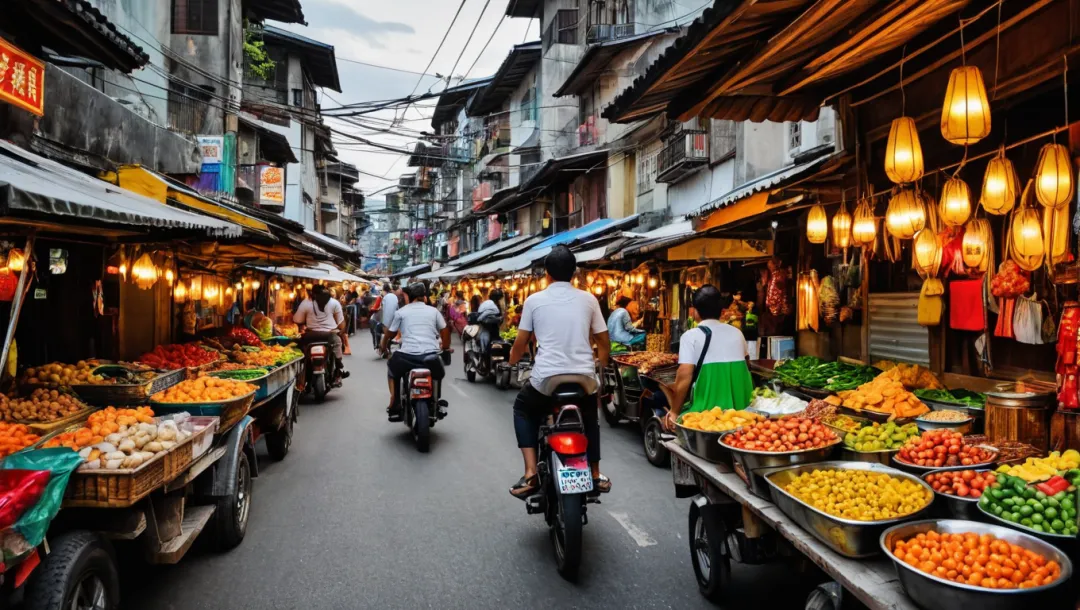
(318, 350)
(568, 443)
(421, 382)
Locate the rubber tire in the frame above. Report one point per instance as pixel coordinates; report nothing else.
(471, 376)
(74, 554)
(318, 385)
(229, 530)
(278, 443)
(569, 509)
(713, 587)
(421, 428)
(659, 456)
(612, 418)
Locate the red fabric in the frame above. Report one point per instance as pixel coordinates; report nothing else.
(966, 305)
(1006, 310)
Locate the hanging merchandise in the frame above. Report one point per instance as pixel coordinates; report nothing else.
(1010, 283)
(977, 244)
(1000, 185)
(952, 258)
(1025, 239)
(903, 154)
(955, 205)
(1053, 176)
(829, 299)
(906, 214)
(1027, 320)
(1055, 230)
(16, 260)
(144, 273)
(841, 228)
(807, 309)
(926, 253)
(931, 302)
(966, 305)
(817, 225)
(965, 117)
(864, 225)
(1066, 367)
(776, 295)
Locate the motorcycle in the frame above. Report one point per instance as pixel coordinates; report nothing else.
(418, 393)
(322, 371)
(484, 349)
(641, 400)
(565, 479)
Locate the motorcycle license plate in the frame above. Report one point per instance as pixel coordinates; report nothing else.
(575, 477)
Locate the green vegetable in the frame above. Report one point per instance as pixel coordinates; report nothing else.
(956, 397)
(763, 392)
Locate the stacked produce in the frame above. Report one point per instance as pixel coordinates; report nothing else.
(1034, 470)
(956, 397)
(204, 390)
(15, 437)
(236, 374)
(884, 394)
(961, 483)
(811, 372)
(1048, 507)
(288, 329)
(784, 404)
(941, 448)
(101, 424)
(510, 334)
(789, 433)
(819, 409)
(229, 366)
(245, 336)
(880, 437)
(646, 361)
(132, 446)
(913, 376)
(980, 561)
(43, 405)
(718, 420)
(172, 357)
(57, 373)
(859, 495)
(269, 356)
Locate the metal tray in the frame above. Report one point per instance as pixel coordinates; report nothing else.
(1068, 544)
(933, 593)
(978, 415)
(705, 445)
(919, 470)
(874, 416)
(963, 427)
(881, 456)
(747, 462)
(848, 537)
(955, 506)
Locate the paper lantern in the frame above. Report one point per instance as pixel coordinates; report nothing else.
(1000, 185)
(975, 247)
(926, 254)
(598, 289)
(954, 209)
(144, 273)
(180, 292)
(1053, 176)
(1027, 237)
(841, 228)
(903, 154)
(965, 117)
(640, 279)
(255, 285)
(817, 225)
(543, 283)
(905, 215)
(652, 282)
(1055, 228)
(864, 226)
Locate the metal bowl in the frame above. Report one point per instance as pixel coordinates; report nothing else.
(874, 416)
(881, 456)
(957, 507)
(933, 593)
(963, 426)
(753, 460)
(919, 470)
(848, 537)
(1068, 544)
(862, 421)
(704, 444)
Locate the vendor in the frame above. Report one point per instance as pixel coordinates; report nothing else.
(712, 361)
(621, 328)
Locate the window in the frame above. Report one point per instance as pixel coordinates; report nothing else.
(794, 136)
(187, 107)
(562, 29)
(722, 140)
(195, 17)
(298, 97)
(647, 171)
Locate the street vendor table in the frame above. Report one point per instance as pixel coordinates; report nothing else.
(873, 581)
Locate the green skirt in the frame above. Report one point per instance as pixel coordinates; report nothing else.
(722, 384)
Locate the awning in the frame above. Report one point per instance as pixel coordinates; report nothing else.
(37, 186)
(285, 11)
(596, 59)
(550, 173)
(276, 145)
(411, 271)
(519, 245)
(506, 265)
(720, 249)
(514, 68)
(651, 241)
(453, 99)
(593, 229)
(479, 255)
(338, 248)
(317, 57)
(71, 27)
(501, 200)
(320, 271)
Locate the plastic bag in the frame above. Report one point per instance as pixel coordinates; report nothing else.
(1028, 321)
(59, 462)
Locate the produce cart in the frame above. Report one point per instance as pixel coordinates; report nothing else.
(623, 387)
(276, 407)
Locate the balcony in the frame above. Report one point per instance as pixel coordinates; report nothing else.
(329, 208)
(562, 29)
(456, 153)
(602, 32)
(683, 155)
(588, 133)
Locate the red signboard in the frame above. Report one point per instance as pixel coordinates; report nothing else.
(22, 79)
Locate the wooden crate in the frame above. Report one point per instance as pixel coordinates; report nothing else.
(1027, 425)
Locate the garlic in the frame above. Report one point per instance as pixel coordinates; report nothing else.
(166, 445)
(114, 438)
(85, 453)
(127, 445)
(113, 464)
(153, 447)
(105, 447)
(115, 455)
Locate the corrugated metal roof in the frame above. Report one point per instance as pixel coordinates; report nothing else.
(768, 181)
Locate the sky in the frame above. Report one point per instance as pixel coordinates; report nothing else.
(402, 34)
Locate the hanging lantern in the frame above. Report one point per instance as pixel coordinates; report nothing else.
(1000, 185)
(841, 228)
(817, 225)
(589, 279)
(1053, 176)
(905, 215)
(514, 287)
(532, 286)
(277, 286)
(169, 276)
(1055, 227)
(965, 118)
(1027, 238)
(239, 286)
(575, 282)
(903, 154)
(652, 282)
(598, 289)
(926, 253)
(16, 260)
(864, 225)
(640, 279)
(975, 247)
(123, 270)
(180, 292)
(255, 285)
(144, 273)
(955, 205)
(543, 283)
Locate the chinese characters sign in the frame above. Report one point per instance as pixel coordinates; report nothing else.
(271, 185)
(22, 79)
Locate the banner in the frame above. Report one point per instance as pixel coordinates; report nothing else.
(271, 185)
(22, 79)
(212, 149)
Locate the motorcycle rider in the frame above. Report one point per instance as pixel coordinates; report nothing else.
(388, 307)
(323, 314)
(423, 332)
(488, 314)
(566, 322)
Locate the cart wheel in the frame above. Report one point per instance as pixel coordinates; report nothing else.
(278, 443)
(611, 412)
(708, 554)
(79, 574)
(655, 452)
(231, 514)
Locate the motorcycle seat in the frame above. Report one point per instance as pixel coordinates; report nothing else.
(568, 388)
(316, 336)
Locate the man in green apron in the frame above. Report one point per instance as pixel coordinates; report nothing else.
(712, 362)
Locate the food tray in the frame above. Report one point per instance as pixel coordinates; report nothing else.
(933, 593)
(978, 415)
(705, 445)
(955, 506)
(919, 470)
(848, 537)
(746, 462)
(1068, 544)
(963, 427)
(881, 456)
(228, 412)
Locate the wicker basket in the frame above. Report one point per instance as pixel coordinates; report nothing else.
(229, 412)
(51, 426)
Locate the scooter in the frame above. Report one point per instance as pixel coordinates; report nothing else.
(322, 371)
(482, 332)
(420, 397)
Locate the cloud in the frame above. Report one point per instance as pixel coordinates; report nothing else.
(336, 15)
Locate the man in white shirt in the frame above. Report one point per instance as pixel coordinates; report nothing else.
(390, 304)
(423, 332)
(321, 313)
(566, 322)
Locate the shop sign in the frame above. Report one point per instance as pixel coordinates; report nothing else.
(212, 149)
(22, 79)
(271, 185)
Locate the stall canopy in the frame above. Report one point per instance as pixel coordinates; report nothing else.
(650, 241)
(37, 188)
(591, 230)
(480, 255)
(411, 271)
(332, 246)
(319, 271)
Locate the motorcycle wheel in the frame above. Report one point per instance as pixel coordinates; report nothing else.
(611, 412)
(318, 383)
(566, 533)
(708, 554)
(655, 452)
(421, 426)
(471, 376)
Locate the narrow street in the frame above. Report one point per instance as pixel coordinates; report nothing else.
(355, 517)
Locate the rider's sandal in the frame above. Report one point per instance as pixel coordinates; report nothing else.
(602, 484)
(525, 487)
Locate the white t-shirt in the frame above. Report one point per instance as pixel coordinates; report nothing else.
(326, 320)
(389, 308)
(563, 319)
(727, 345)
(419, 324)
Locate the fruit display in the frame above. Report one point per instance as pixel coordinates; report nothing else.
(820, 409)
(880, 437)
(956, 397)
(945, 416)
(1034, 470)
(57, 373)
(245, 337)
(859, 495)
(99, 425)
(913, 376)
(1048, 507)
(980, 561)
(943, 448)
(646, 361)
(15, 437)
(884, 394)
(288, 329)
(132, 445)
(43, 405)
(961, 483)
(237, 375)
(843, 422)
(204, 390)
(271, 355)
(510, 334)
(225, 365)
(791, 433)
(718, 420)
(172, 357)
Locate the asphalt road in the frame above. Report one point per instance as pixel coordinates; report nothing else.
(355, 517)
